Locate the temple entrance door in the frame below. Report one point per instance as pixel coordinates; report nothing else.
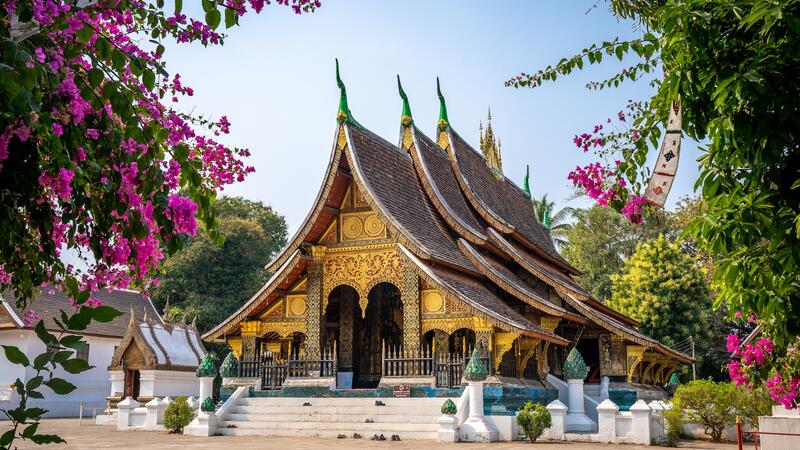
(342, 321)
(131, 386)
(382, 324)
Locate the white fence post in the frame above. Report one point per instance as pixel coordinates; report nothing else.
(640, 423)
(558, 413)
(607, 421)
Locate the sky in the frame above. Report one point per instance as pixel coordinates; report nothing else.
(274, 80)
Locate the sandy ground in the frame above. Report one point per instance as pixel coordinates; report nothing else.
(96, 437)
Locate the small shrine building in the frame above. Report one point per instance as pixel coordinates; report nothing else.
(425, 248)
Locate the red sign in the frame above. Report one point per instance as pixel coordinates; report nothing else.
(401, 391)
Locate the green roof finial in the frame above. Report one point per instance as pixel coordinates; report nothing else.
(526, 185)
(443, 122)
(546, 219)
(344, 112)
(574, 367)
(405, 118)
(475, 370)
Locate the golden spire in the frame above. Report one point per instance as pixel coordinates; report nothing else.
(490, 147)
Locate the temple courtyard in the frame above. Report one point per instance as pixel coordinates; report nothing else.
(90, 436)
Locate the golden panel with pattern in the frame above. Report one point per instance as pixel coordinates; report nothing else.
(296, 305)
(451, 324)
(361, 226)
(361, 268)
(432, 301)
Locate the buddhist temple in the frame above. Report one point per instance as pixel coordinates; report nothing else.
(417, 252)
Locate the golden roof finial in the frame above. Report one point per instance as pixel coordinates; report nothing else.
(489, 146)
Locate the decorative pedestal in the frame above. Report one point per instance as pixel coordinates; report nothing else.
(577, 420)
(558, 413)
(206, 388)
(447, 428)
(476, 428)
(607, 421)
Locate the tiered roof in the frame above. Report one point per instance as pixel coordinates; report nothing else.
(457, 220)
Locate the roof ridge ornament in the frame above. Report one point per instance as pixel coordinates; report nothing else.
(344, 114)
(405, 119)
(526, 185)
(443, 122)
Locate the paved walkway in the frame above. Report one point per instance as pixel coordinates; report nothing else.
(98, 437)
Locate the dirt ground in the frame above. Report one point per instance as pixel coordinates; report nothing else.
(90, 436)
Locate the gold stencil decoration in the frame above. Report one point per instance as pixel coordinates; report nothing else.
(362, 226)
(296, 305)
(341, 140)
(456, 307)
(329, 237)
(352, 228)
(362, 271)
(358, 198)
(432, 301)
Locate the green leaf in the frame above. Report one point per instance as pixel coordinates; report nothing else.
(149, 79)
(15, 356)
(43, 334)
(35, 413)
(85, 34)
(30, 430)
(231, 17)
(95, 76)
(213, 18)
(105, 314)
(60, 386)
(80, 320)
(76, 365)
(47, 439)
(7, 438)
(34, 383)
(40, 361)
(70, 340)
(178, 6)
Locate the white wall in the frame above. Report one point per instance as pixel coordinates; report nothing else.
(93, 386)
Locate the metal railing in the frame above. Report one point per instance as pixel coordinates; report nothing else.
(446, 368)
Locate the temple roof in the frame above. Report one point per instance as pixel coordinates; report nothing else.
(464, 228)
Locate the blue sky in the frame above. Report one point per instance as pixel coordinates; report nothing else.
(274, 79)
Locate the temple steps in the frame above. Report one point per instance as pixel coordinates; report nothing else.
(409, 418)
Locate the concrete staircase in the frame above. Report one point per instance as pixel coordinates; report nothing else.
(409, 418)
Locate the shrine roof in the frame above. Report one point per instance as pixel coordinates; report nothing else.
(51, 302)
(164, 345)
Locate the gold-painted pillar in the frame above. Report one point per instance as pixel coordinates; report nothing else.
(409, 295)
(251, 330)
(314, 292)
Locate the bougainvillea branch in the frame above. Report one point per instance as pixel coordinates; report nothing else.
(97, 161)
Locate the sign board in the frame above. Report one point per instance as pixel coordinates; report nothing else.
(401, 391)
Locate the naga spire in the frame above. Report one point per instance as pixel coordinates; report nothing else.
(526, 184)
(344, 114)
(443, 122)
(405, 119)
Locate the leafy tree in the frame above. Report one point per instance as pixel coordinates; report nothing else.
(598, 243)
(212, 281)
(733, 66)
(664, 290)
(178, 415)
(555, 221)
(97, 159)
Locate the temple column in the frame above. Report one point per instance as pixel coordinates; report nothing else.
(409, 295)
(314, 293)
(251, 330)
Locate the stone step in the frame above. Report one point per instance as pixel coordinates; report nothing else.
(335, 410)
(331, 434)
(342, 401)
(236, 415)
(393, 428)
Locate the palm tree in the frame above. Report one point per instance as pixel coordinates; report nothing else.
(557, 223)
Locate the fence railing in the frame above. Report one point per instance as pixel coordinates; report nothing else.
(446, 368)
(274, 370)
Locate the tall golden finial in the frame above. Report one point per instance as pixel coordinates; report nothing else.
(490, 147)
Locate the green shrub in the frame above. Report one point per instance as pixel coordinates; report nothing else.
(673, 422)
(710, 404)
(753, 403)
(177, 415)
(533, 418)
